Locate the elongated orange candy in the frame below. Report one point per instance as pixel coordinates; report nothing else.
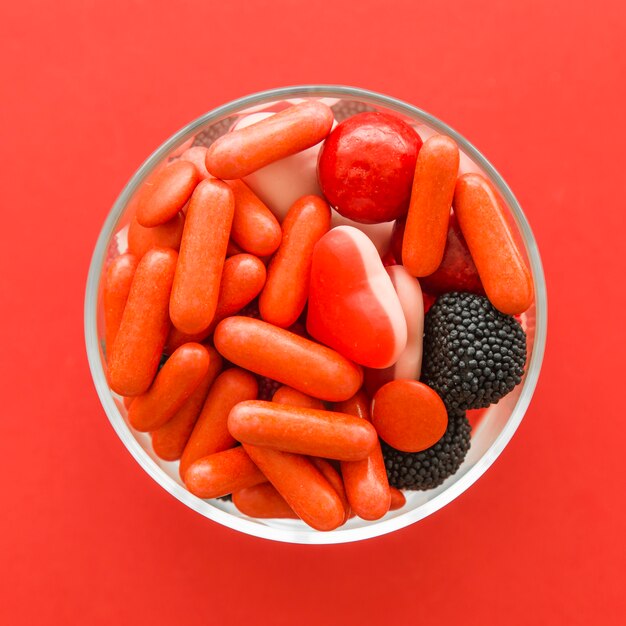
(426, 228)
(264, 502)
(165, 195)
(243, 151)
(176, 381)
(398, 499)
(202, 254)
(312, 498)
(500, 265)
(168, 235)
(243, 278)
(169, 441)
(303, 431)
(288, 358)
(334, 478)
(197, 156)
(255, 229)
(288, 276)
(117, 282)
(365, 481)
(139, 342)
(222, 473)
(210, 434)
(128, 400)
(293, 397)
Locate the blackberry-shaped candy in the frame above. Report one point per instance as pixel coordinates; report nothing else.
(473, 354)
(419, 471)
(347, 108)
(207, 136)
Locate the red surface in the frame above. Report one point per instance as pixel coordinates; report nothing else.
(88, 90)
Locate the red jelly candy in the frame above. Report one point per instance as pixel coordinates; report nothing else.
(353, 306)
(366, 167)
(457, 271)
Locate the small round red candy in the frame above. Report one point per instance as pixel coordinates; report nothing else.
(409, 415)
(366, 167)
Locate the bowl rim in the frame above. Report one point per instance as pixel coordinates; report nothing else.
(248, 525)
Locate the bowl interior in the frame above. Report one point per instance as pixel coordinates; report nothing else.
(489, 436)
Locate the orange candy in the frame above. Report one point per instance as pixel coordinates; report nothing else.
(117, 282)
(210, 434)
(409, 415)
(288, 277)
(426, 228)
(243, 278)
(500, 265)
(293, 397)
(302, 485)
(264, 502)
(243, 151)
(139, 342)
(303, 431)
(255, 229)
(222, 473)
(334, 478)
(176, 381)
(197, 156)
(162, 197)
(169, 440)
(397, 499)
(284, 356)
(365, 481)
(167, 235)
(202, 253)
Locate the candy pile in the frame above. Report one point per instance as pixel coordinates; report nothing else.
(280, 268)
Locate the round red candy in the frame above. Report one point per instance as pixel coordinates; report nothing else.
(366, 167)
(409, 415)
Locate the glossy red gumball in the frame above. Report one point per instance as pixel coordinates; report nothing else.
(366, 167)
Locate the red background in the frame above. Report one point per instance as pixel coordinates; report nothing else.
(88, 90)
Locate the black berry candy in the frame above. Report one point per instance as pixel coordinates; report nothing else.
(473, 354)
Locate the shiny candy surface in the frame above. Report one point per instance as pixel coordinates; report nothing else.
(288, 358)
(302, 430)
(353, 306)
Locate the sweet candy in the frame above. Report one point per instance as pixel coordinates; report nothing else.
(334, 478)
(117, 282)
(365, 481)
(293, 397)
(500, 265)
(168, 235)
(202, 253)
(197, 156)
(264, 502)
(353, 306)
(456, 272)
(302, 485)
(366, 167)
(241, 152)
(302, 430)
(138, 345)
(397, 499)
(165, 195)
(429, 210)
(255, 229)
(409, 363)
(174, 383)
(288, 358)
(210, 434)
(222, 473)
(409, 415)
(287, 286)
(169, 441)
